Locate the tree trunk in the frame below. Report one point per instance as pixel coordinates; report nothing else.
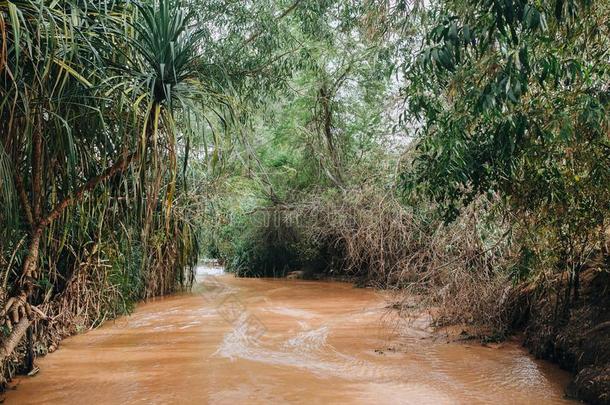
(325, 101)
(11, 342)
(28, 273)
(18, 305)
(25, 288)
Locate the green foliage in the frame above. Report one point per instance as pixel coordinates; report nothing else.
(132, 134)
(511, 99)
(265, 249)
(99, 101)
(326, 130)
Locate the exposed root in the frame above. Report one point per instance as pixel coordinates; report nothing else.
(15, 309)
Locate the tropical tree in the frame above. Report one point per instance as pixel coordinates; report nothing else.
(90, 93)
(324, 133)
(510, 99)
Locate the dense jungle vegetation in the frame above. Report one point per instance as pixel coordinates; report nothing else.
(457, 151)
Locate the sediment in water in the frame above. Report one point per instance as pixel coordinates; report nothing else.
(321, 341)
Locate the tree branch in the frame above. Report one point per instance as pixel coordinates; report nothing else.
(279, 17)
(27, 208)
(120, 166)
(37, 174)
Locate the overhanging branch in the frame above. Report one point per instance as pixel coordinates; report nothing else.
(120, 166)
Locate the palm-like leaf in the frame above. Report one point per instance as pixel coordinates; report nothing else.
(73, 76)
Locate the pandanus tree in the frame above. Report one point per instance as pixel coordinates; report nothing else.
(45, 100)
(161, 73)
(89, 93)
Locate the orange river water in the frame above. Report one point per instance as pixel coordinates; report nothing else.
(263, 341)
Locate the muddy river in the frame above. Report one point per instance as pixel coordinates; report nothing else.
(259, 341)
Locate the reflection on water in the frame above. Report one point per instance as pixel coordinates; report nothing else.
(280, 341)
(208, 269)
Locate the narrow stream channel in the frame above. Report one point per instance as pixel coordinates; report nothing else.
(259, 341)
